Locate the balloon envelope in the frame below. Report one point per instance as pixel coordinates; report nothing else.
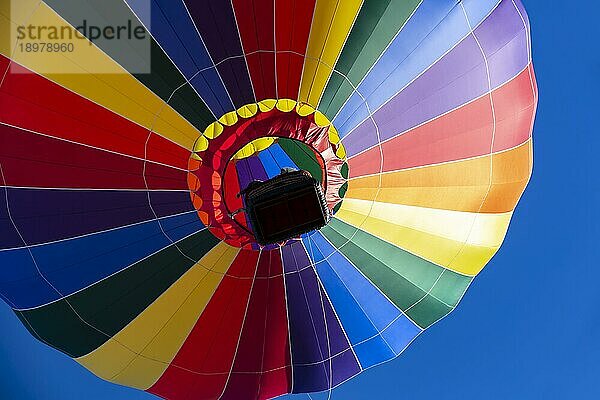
(121, 160)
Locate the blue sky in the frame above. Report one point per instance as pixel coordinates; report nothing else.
(528, 326)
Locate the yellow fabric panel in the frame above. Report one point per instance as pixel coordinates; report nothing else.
(332, 22)
(460, 185)
(255, 146)
(92, 74)
(247, 111)
(461, 241)
(140, 353)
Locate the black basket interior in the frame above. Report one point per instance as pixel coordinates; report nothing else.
(285, 207)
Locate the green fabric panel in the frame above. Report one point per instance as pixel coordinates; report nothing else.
(345, 170)
(343, 190)
(163, 79)
(60, 328)
(428, 311)
(375, 27)
(111, 304)
(402, 276)
(337, 207)
(187, 103)
(169, 84)
(302, 156)
(420, 272)
(451, 287)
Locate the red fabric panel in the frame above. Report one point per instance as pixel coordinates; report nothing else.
(462, 133)
(158, 176)
(514, 106)
(256, 20)
(32, 102)
(278, 378)
(264, 344)
(201, 368)
(32, 160)
(293, 19)
(231, 187)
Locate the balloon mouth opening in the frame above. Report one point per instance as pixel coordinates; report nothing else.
(280, 205)
(255, 143)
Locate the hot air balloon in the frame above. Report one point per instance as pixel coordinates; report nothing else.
(125, 242)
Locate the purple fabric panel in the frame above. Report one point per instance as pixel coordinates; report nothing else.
(244, 174)
(314, 329)
(522, 11)
(257, 169)
(170, 203)
(344, 366)
(9, 236)
(215, 20)
(307, 327)
(45, 215)
(504, 42)
(250, 169)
